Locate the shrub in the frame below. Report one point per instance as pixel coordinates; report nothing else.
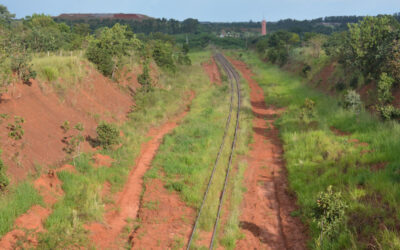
(306, 69)
(340, 86)
(352, 101)
(144, 79)
(329, 213)
(16, 130)
(65, 126)
(162, 54)
(3, 177)
(307, 111)
(388, 112)
(384, 89)
(107, 135)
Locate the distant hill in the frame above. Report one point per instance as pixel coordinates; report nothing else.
(119, 16)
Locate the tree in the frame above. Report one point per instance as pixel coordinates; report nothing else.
(5, 16)
(370, 43)
(108, 49)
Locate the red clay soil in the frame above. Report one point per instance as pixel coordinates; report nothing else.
(165, 224)
(106, 235)
(212, 71)
(44, 113)
(102, 160)
(265, 213)
(29, 224)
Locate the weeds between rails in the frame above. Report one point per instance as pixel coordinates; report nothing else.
(233, 76)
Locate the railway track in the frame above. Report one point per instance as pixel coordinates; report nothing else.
(233, 76)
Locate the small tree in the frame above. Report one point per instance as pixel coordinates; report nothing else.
(329, 213)
(107, 135)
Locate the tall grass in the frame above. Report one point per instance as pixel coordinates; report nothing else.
(61, 72)
(316, 158)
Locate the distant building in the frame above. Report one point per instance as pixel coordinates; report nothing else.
(264, 28)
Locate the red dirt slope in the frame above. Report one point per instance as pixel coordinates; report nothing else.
(44, 113)
(265, 213)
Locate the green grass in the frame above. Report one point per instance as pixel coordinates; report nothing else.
(317, 158)
(187, 156)
(61, 72)
(16, 202)
(82, 202)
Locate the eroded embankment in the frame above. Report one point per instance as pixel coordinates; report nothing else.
(44, 111)
(107, 235)
(265, 220)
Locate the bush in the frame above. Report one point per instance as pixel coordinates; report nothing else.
(307, 111)
(3, 177)
(16, 130)
(388, 112)
(144, 79)
(385, 89)
(352, 101)
(329, 213)
(107, 135)
(162, 54)
(340, 86)
(306, 69)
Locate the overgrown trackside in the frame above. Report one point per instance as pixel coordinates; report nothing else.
(353, 152)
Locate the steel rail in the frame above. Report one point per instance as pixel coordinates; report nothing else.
(232, 75)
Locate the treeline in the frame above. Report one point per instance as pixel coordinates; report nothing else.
(367, 53)
(326, 25)
(108, 48)
(147, 26)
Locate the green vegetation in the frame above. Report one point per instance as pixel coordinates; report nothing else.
(316, 158)
(107, 135)
(16, 202)
(4, 181)
(82, 203)
(16, 130)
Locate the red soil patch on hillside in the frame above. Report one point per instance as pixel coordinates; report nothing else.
(102, 160)
(44, 113)
(30, 223)
(165, 223)
(212, 71)
(107, 235)
(265, 213)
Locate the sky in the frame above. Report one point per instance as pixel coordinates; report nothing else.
(209, 10)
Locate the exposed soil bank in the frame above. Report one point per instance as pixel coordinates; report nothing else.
(107, 235)
(96, 98)
(265, 213)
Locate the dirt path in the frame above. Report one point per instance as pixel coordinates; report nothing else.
(212, 71)
(266, 206)
(165, 220)
(106, 235)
